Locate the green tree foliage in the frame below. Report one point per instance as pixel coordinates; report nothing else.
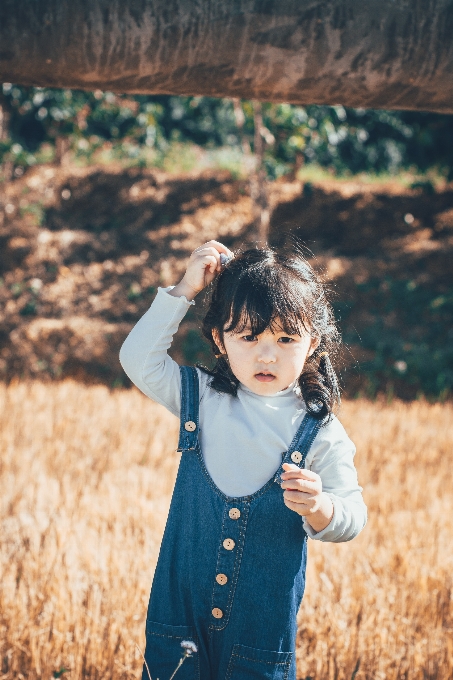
(344, 140)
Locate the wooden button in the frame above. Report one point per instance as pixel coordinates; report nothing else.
(217, 613)
(234, 513)
(296, 456)
(221, 579)
(190, 426)
(229, 544)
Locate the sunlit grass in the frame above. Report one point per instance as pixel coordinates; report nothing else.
(176, 157)
(86, 477)
(403, 179)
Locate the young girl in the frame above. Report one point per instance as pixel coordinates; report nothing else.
(264, 463)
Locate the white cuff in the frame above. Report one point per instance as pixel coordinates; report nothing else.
(182, 298)
(333, 530)
(348, 520)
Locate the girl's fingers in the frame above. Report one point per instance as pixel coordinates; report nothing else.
(300, 509)
(210, 262)
(301, 500)
(204, 263)
(291, 471)
(300, 485)
(216, 245)
(207, 252)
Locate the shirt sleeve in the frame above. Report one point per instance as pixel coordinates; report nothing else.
(332, 458)
(144, 357)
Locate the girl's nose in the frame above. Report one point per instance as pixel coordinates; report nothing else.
(267, 354)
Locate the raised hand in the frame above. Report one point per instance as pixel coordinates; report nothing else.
(204, 263)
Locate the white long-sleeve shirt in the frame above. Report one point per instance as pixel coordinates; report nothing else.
(242, 438)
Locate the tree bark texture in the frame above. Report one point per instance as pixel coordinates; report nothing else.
(362, 53)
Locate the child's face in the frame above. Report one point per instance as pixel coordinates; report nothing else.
(269, 362)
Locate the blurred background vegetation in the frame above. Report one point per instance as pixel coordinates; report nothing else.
(42, 126)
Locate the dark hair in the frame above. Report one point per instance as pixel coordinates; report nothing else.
(260, 288)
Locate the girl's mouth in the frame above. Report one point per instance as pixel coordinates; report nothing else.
(264, 377)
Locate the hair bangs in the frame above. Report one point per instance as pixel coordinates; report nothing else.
(263, 302)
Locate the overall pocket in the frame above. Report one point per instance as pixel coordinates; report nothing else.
(164, 652)
(247, 663)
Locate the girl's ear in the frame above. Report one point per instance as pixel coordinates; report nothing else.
(217, 340)
(315, 342)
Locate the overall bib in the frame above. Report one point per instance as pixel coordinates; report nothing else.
(231, 571)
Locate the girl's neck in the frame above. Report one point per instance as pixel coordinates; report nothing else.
(289, 390)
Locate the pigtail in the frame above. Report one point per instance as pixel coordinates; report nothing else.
(330, 377)
(319, 387)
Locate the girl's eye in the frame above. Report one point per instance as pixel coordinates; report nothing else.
(285, 340)
(249, 338)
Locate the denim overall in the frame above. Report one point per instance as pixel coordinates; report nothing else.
(231, 571)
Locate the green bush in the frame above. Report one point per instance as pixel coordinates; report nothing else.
(346, 141)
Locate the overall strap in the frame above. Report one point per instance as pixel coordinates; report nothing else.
(188, 429)
(301, 444)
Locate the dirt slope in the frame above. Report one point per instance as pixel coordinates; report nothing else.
(82, 252)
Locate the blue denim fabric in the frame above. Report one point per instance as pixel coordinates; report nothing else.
(255, 637)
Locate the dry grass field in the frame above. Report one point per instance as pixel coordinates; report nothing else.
(86, 477)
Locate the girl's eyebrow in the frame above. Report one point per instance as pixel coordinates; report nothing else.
(241, 331)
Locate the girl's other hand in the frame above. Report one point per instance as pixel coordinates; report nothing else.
(303, 494)
(204, 264)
